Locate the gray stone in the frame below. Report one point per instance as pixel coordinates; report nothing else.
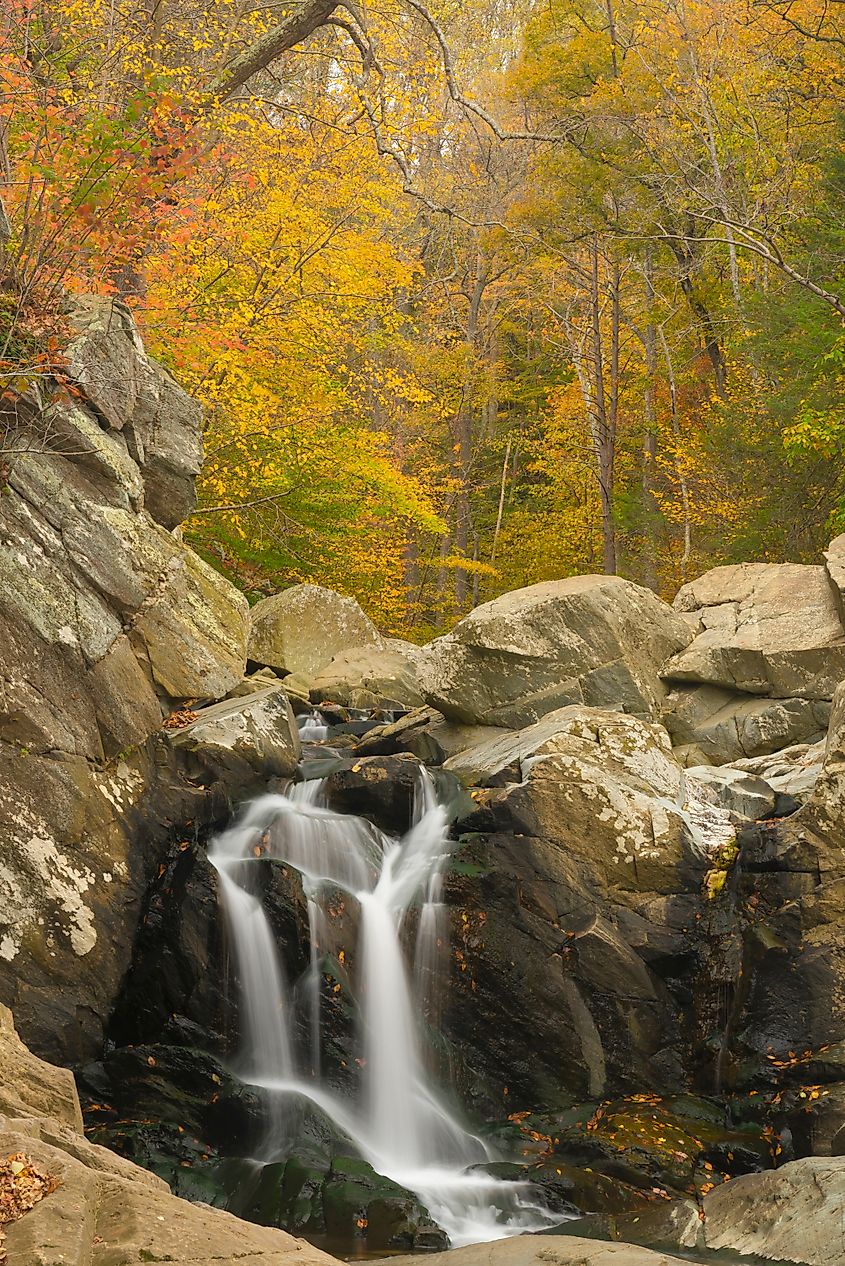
(834, 561)
(640, 749)
(426, 734)
(369, 678)
(106, 621)
(735, 790)
(792, 1214)
(193, 628)
(792, 772)
(259, 680)
(825, 808)
(768, 629)
(712, 725)
(595, 640)
(132, 394)
(301, 629)
(603, 784)
(252, 735)
(32, 1087)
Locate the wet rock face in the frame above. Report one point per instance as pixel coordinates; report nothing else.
(379, 788)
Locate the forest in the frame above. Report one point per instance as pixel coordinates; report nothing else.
(472, 296)
(422, 632)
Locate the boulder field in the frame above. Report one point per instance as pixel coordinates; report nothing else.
(646, 890)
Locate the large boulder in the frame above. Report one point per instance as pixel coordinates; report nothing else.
(301, 629)
(251, 736)
(792, 1214)
(594, 640)
(368, 678)
(769, 629)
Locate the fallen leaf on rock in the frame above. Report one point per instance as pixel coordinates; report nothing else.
(180, 718)
(22, 1185)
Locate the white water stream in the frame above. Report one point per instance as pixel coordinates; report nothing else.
(402, 1125)
(312, 727)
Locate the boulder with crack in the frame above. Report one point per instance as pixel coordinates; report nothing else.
(594, 640)
(574, 890)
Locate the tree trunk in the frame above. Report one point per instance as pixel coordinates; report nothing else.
(604, 410)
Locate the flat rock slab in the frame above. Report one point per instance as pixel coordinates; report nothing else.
(114, 1216)
(550, 1250)
(103, 1210)
(29, 1086)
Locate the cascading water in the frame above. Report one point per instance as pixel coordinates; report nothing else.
(402, 1125)
(312, 728)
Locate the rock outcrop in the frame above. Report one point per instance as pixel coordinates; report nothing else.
(793, 1214)
(767, 655)
(108, 624)
(594, 640)
(710, 725)
(582, 872)
(764, 629)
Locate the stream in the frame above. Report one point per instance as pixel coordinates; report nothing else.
(403, 1124)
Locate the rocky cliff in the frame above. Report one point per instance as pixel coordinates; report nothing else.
(108, 623)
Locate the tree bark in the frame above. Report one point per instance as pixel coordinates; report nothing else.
(295, 28)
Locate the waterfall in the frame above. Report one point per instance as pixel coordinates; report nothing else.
(401, 1123)
(312, 727)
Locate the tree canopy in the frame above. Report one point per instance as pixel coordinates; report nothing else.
(473, 296)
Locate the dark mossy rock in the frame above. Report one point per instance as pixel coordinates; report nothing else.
(379, 788)
(680, 1145)
(174, 1153)
(359, 1203)
(185, 1088)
